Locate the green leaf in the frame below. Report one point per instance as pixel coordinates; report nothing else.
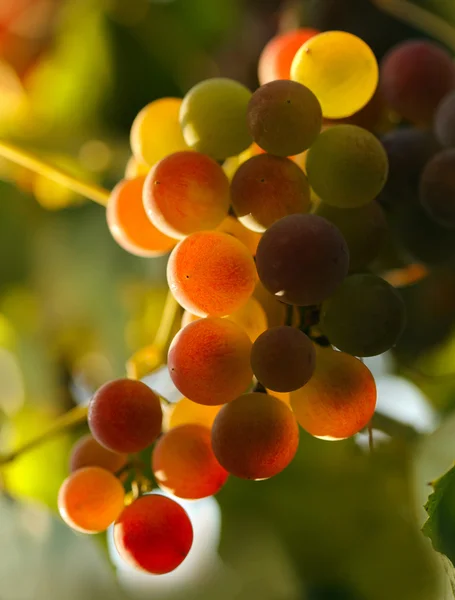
(440, 526)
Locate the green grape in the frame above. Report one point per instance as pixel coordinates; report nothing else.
(213, 118)
(364, 229)
(266, 188)
(347, 166)
(364, 317)
(284, 117)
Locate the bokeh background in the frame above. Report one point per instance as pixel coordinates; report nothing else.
(337, 524)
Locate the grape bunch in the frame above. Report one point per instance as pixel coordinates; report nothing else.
(275, 207)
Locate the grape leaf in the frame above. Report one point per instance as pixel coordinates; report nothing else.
(440, 526)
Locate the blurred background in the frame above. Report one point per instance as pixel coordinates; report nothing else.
(337, 524)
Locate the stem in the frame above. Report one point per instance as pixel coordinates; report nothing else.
(420, 18)
(370, 436)
(170, 310)
(75, 416)
(289, 319)
(35, 164)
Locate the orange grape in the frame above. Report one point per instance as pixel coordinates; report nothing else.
(340, 69)
(211, 273)
(267, 188)
(125, 415)
(90, 499)
(340, 398)
(186, 192)
(232, 226)
(87, 452)
(250, 317)
(156, 131)
(129, 224)
(283, 358)
(184, 464)
(185, 411)
(209, 361)
(154, 534)
(277, 56)
(255, 436)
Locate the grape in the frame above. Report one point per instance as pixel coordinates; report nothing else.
(364, 229)
(340, 398)
(275, 310)
(302, 259)
(340, 69)
(186, 192)
(213, 118)
(135, 168)
(277, 56)
(266, 188)
(90, 499)
(87, 452)
(444, 123)
(233, 227)
(373, 116)
(156, 131)
(415, 77)
(437, 188)
(154, 534)
(364, 317)
(211, 273)
(255, 436)
(125, 415)
(408, 150)
(283, 359)
(284, 117)
(347, 166)
(185, 411)
(209, 361)
(250, 317)
(283, 397)
(184, 464)
(128, 223)
(231, 164)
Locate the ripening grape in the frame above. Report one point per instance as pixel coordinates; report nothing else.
(364, 229)
(209, 361)
(125, 415)
(277, 56)
(134, 168)
(90, 499)
(154, 534)
(374, 116)
(364, 317)
(415, 77)
(184, 464)
(284, 117)
(340, 398)
(255, 436)
(302, 259)
(283, 359)
(87, 452)
(129, 224)
(250, 317)
(185, 411)
(213, 118)
(444, 122)
(347, 166)
(275, 311)
(211, 273)
(186, 192)
(340, 69)
(231, 164)
(267, 188)
(408, 150)
(156, 132)
(233, 227)
(437, 188)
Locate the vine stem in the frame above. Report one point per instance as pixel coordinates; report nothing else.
(166, 325)
(72, 418)
(33, 163)
(420, 18)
